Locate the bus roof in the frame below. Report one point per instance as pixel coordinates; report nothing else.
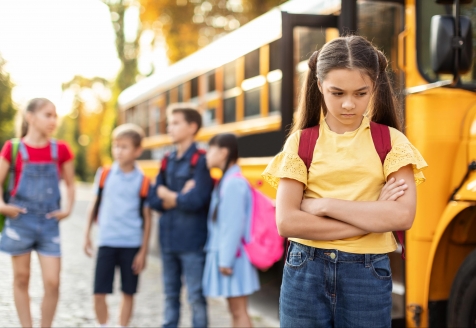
(260, 31)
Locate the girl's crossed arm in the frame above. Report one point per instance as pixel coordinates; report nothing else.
(293, 222)
(376, 216)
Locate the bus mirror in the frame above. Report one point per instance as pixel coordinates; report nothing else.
(444, 42)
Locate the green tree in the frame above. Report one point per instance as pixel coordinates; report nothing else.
(188, 25)
(7, 107)
(127, 50)
(88, 127)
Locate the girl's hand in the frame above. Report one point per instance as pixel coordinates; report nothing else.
(314, 206)
(226, 271)
(58, 215)
(88, 247)
(393, 190)
(12, 211)
(139, 262)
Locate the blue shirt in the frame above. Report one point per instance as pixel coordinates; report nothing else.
(119, 220)
(183, 228)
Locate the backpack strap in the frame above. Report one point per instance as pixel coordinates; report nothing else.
(383, 145)
(9, 182)
(307, 143)
(194, 160)
(381, 138)
(102, 181)
(163, 166)
(144, 191)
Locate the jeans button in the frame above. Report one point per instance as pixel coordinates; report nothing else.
(332, 255)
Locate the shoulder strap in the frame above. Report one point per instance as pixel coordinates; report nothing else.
(383, 145)
(163, 166)
(104, 174)
(144, 191)
(102, 181)
(10, 180)
(307, 143)
(196, 156)
(144, 188)
(54, 150)
(381, 138)
(194, 160)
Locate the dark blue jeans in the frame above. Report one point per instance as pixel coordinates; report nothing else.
(190, 265)
(330, 288)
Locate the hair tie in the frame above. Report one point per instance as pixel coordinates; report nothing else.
(382, 62)
(312, 63)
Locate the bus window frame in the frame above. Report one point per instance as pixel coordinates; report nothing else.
(419, 43)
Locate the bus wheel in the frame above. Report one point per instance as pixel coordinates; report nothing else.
(462, 302)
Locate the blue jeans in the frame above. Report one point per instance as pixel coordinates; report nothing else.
(330, 288)
(190, 265)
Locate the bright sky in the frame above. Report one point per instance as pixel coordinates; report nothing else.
(48, 42)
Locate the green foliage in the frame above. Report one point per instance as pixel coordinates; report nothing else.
(7, 107)
(89, 125)
(188, 25)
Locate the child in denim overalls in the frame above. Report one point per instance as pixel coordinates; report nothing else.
(33, 208)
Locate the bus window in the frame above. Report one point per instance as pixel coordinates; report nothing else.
(142, 116)
(275, 96)
(211, 83)
(425, 10)
(252, 103)
(229, 110)
(194, 88)
(275, 55)
(252, 64)
(381, 22)
(180, 96)
(209, 117)
(167, 98)
(306, 41)
(229, 79)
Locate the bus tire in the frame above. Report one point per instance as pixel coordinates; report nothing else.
(462, 302)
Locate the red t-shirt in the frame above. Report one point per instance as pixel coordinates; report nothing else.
(37, 155)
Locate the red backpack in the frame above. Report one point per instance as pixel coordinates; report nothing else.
(382, 142)
(193, 162)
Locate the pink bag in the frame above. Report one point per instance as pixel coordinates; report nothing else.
(266, 246)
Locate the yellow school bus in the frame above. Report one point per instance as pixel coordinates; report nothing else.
(247, 83)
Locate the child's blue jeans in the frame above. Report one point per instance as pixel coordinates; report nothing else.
(188, 265)
(330, 288)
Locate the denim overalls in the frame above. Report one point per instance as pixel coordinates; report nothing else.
(38, 192)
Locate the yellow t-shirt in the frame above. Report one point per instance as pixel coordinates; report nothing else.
(346, 166)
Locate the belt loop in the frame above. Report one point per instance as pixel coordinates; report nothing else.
(367, 260)
(312, 250)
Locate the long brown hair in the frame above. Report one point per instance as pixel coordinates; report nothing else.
(230, 142)
(33, 106)
(348, 52)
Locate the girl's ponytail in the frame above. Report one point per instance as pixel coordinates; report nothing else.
(311, 99)
(385, 109)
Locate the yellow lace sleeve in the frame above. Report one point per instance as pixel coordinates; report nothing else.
(285, 165)
(402, 155)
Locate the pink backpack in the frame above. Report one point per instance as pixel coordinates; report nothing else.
(266, 246)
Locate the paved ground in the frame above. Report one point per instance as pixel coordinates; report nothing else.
(75, 306)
